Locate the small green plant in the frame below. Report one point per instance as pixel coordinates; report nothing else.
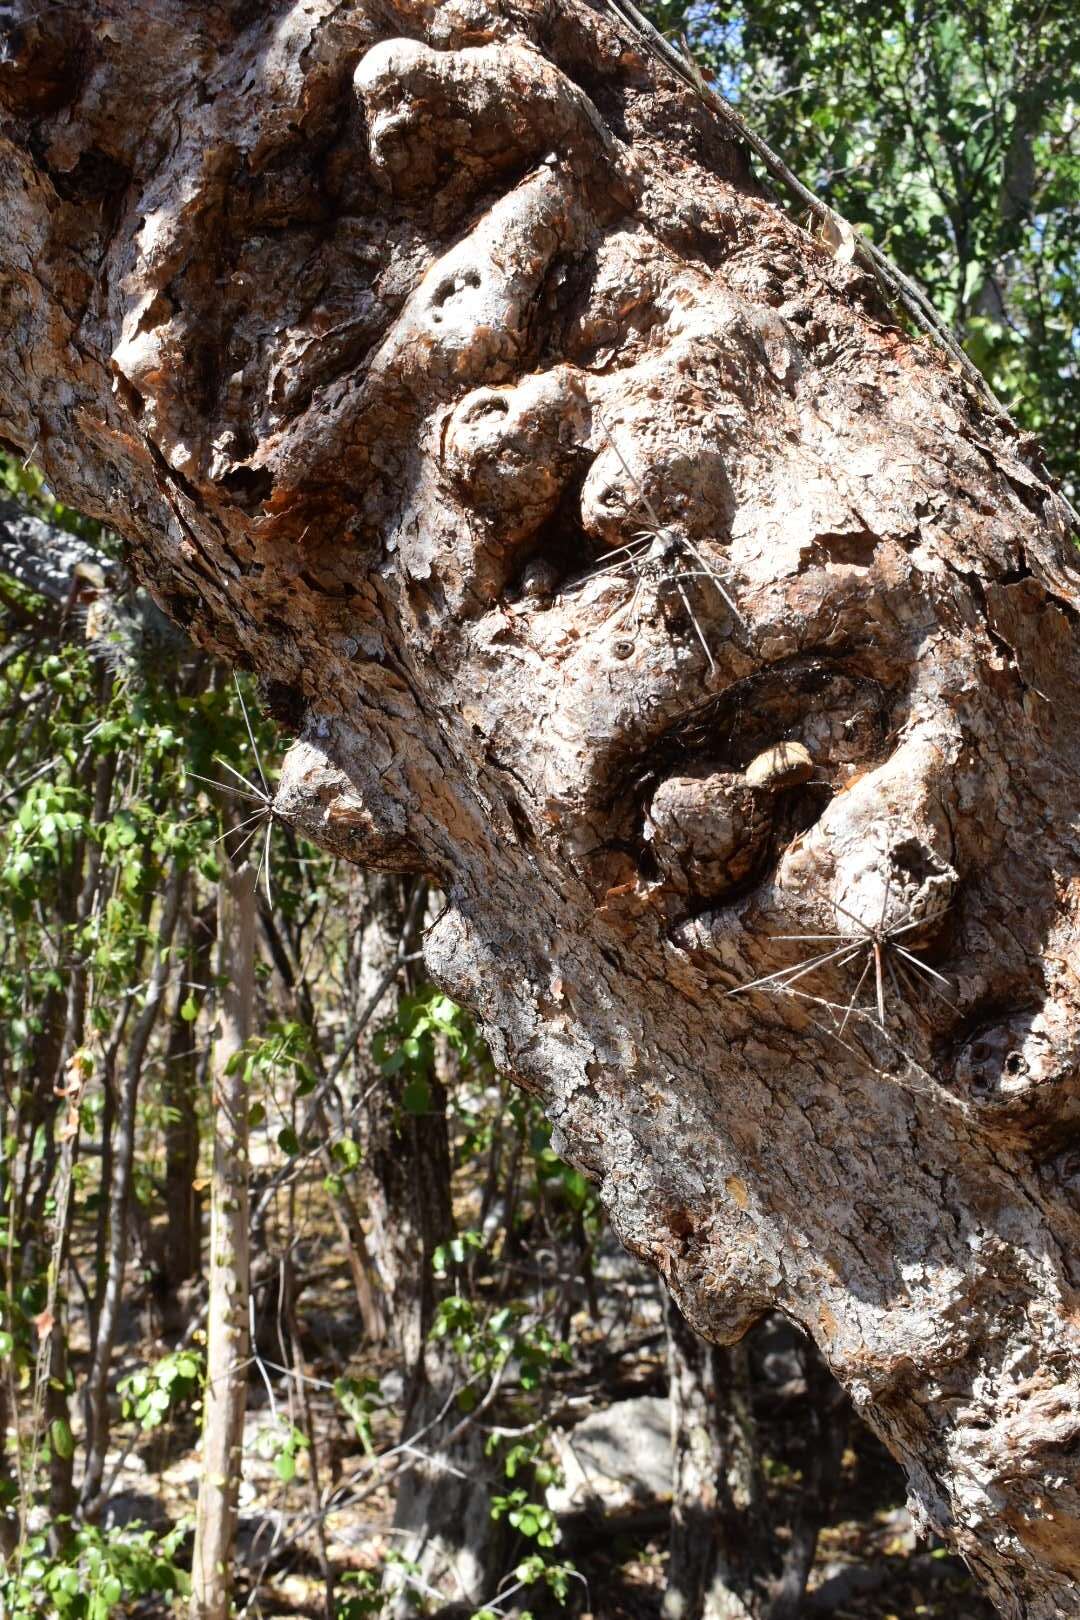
(15, 1336)
(531, 1572)
(359, 1399)
(560, 1181)
(96, 1575)
(156, 1393)
(531, 1519)
(361, 1595)
(456, 1252)
(347, 1154)
(285, 1049)
(364, 1593)
(283, 1054)
(486, 1343)
(406, 1045)
(282, 1443)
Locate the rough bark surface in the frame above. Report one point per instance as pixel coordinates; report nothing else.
(344, 315)
(442, 1508)
(718, 1548)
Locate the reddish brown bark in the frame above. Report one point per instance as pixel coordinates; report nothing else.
(364, 325)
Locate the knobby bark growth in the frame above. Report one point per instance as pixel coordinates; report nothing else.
(368, 326)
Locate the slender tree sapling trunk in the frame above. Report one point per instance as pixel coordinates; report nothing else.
(110, 1061)
(68, 1085)
(442, 1510)
(227, 1317)
(302, 1385)
(327, 1118)
(826, 1426)
(378, 331)
(181, 1257)
(9, 1485)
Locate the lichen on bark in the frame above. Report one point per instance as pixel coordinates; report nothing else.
(371, 328)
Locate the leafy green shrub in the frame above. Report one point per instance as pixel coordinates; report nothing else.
(98, 1573)
(152, 1395)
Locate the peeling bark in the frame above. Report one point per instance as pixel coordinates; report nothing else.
(368, 326)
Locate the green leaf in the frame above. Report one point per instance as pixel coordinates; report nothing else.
(288, 1141)
(575, 1187)
(416, 1098)
(63, 1442)
(347, 1152)
(285, 1466)
(189, 1011)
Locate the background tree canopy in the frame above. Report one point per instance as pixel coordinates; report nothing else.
(948, 132)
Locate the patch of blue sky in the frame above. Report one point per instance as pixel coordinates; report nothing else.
(719, 40)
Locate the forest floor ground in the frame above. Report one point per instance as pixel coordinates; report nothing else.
(869, 1565)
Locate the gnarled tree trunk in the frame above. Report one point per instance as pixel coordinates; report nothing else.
(368, 325)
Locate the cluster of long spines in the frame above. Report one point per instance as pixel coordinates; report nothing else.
(262, 819)
(881, 952)
(642, 547)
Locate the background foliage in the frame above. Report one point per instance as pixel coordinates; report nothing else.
(946, 130)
